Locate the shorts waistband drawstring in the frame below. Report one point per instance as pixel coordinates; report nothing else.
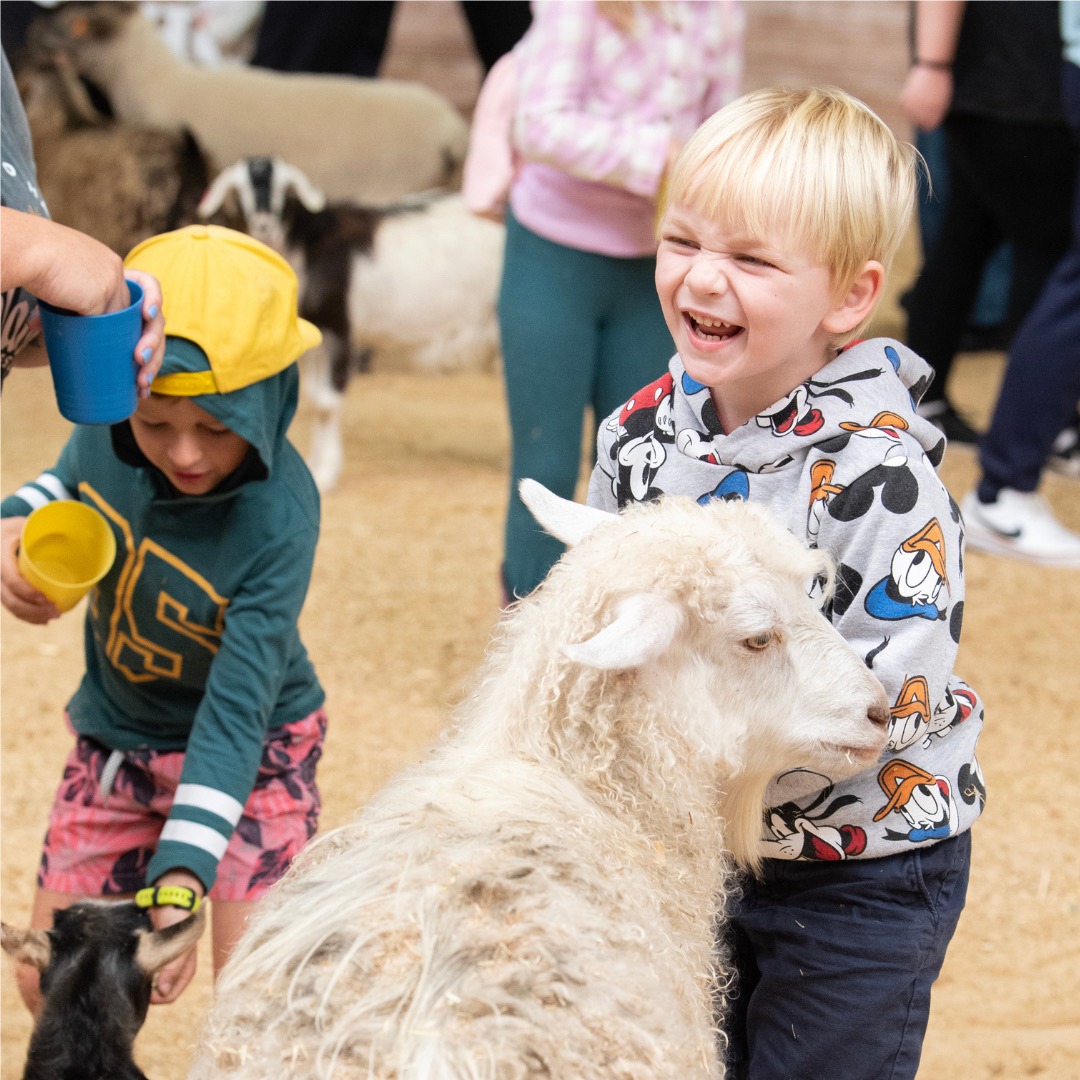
(108, 774)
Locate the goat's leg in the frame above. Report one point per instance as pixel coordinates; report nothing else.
(326, 456)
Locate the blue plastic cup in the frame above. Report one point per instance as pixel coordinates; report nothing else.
(92, 360)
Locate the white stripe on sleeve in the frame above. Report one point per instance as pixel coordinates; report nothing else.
(32, 496)
(195, 835)
(208, 798)
(53, 486)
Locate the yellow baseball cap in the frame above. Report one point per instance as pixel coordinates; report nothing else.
(232, 296)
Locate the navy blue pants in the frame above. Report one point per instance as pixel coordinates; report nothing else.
(835, 962)
(1041, 387)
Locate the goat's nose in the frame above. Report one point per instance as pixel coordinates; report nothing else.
(878, 715)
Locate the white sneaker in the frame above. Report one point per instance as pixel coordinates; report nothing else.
(1020, 525)
(1065, 456)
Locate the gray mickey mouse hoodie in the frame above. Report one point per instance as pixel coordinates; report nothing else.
(846, 463)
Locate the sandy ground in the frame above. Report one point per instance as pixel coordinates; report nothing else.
(404, 596)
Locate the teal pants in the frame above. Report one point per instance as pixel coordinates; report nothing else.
(579, 331)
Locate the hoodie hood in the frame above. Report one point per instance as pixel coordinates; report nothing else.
(234, 335)
(259, 413)
(871, 388)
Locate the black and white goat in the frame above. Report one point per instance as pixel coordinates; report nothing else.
(418, 280)
(97, 965)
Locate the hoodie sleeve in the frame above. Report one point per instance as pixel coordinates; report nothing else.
(225, 746)
(554, 126)
(59, 482)
(602, 481)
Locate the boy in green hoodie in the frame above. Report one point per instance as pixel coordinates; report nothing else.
(199, 719)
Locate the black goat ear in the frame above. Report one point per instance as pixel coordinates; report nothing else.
(160, 947)
(27, 946)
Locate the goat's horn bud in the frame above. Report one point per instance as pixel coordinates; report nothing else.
(27, 946)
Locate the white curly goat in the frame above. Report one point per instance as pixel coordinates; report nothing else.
(538, 897)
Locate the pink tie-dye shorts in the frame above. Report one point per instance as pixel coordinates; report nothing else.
(101, 847)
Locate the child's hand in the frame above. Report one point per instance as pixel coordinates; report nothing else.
(172, 980)
(17, 595)
(150, 349)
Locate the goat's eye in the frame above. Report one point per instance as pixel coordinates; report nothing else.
(760, 641)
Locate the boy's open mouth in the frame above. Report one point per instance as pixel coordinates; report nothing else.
(711, 329)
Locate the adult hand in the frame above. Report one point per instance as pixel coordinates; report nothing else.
(172, 980)
(926, 96)
(68, 269)
(16, 594)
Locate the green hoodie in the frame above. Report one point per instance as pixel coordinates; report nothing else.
(191, 639)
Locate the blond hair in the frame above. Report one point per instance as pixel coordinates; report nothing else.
(815, 168)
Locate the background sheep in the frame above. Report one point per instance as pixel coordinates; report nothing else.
(368, 140)
(537, 898)
(417, 280)
(113, 181)
(97, 964)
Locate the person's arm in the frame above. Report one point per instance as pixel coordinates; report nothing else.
(553, 127)
(725, 84)
(173, 979)
(68, 269)
(927, 91)
(223, 752)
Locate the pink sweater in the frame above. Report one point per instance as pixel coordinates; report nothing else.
(597, 111)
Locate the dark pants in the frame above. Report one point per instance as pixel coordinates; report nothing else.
(1039, 393)
(835, 962)
(1008, 182)
(323, 36)
(350, 38)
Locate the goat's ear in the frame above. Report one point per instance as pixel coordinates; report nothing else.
(27, 946)
(160, 947)
(567, 521)
(227, 180)
(643, 629)
(311, 198)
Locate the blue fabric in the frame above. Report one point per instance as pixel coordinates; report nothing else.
(1041, 387)
(835, 963)
(578, 330)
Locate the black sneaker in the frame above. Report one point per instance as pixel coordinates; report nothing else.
(949, 422)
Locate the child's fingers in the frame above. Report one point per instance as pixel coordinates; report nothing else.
(32, 608)
(25, 602)
(172, 980)
(150, 350)
(17, 594)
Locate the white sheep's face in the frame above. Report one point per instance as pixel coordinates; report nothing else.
(785, 690)
(714, 615)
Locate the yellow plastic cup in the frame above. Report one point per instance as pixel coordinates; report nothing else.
(66, 548)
